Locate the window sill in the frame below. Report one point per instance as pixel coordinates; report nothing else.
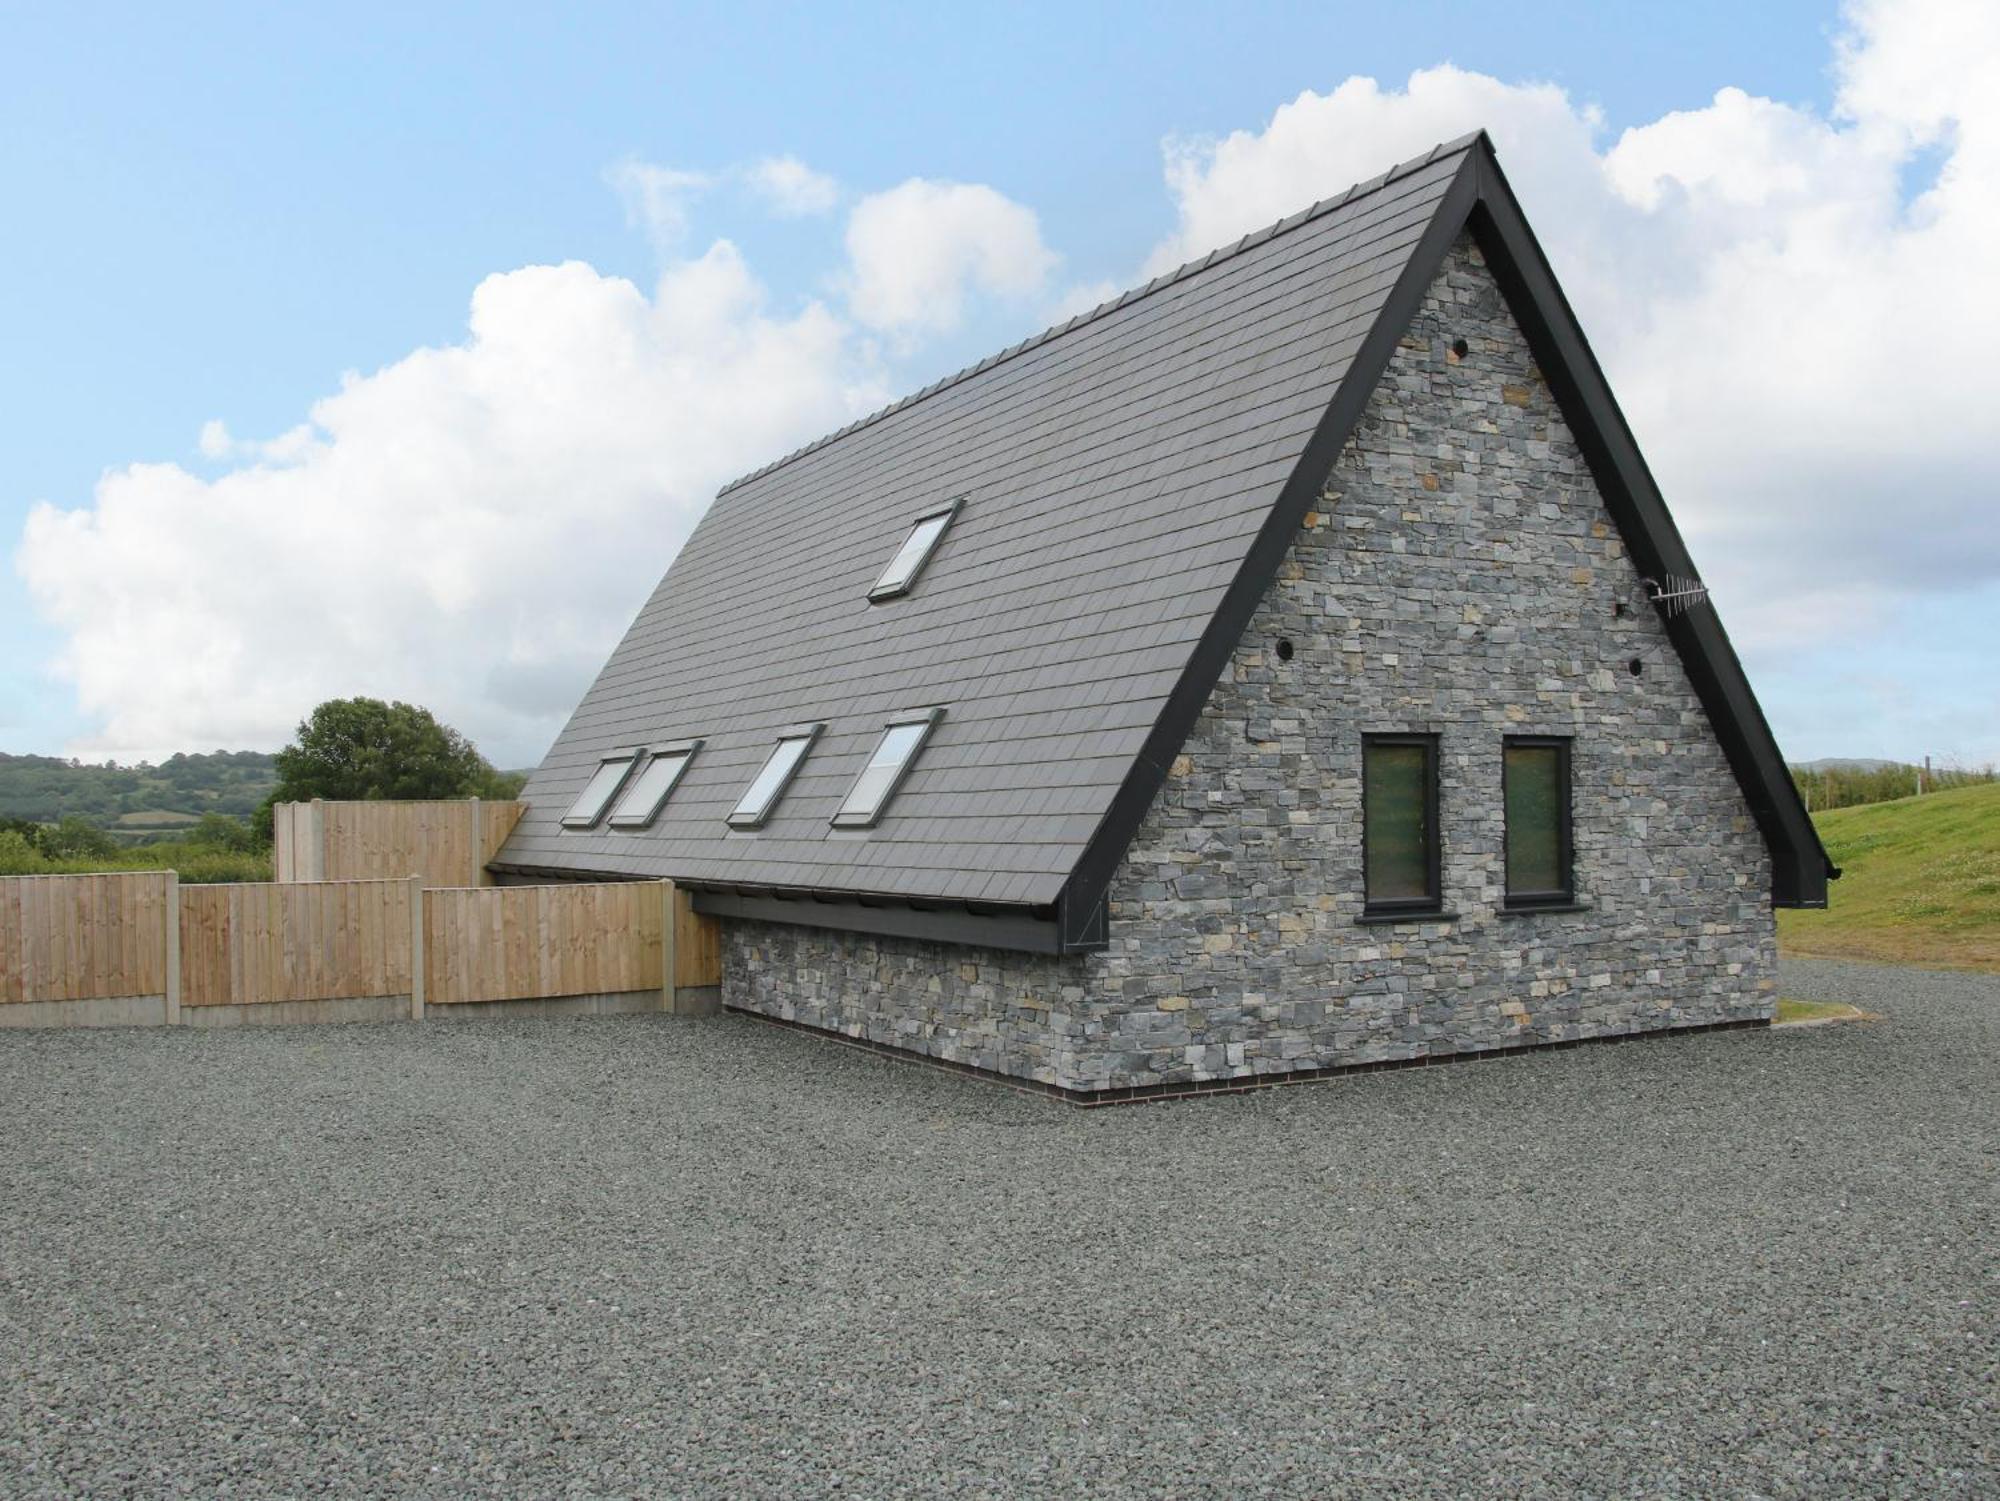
(1536, 909)
(1383, 919)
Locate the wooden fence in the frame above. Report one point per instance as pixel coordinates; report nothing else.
(261, 945)
(294, 946)
(537, 942)
(77, 938)
(448, 843)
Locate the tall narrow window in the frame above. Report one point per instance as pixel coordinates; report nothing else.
(1535, 777)
(651, 788)
(925, 534)
(1399, 823)
(762, 795)
(606, 780)
(884, 773)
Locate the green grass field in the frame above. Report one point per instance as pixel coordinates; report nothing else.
(1920, 883)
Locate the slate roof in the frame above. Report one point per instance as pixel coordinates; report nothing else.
(1131, 480)
(1115, 472)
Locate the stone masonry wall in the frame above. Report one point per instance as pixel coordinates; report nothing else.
(1460, 577)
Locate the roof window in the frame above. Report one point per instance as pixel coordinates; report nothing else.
(925, 534)
(606, 780)
(901, 740)
(650, 789)
(773, 777)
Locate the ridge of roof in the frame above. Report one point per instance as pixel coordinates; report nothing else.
(1131, 295)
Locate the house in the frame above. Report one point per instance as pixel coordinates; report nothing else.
(1288, 666)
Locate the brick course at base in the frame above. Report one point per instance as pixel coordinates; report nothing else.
(1461, 577)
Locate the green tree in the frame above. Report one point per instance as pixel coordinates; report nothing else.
(76, 838)
(218, 831)
(361, 749)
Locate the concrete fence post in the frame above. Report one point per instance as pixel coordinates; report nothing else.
(417, 964)
(172, 908)
(315, 866)
(669, 1002)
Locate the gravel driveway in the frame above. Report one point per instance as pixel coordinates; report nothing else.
(645, 1256)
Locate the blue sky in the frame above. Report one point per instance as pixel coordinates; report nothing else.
(218, 211)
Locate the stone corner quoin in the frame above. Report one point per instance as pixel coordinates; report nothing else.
(1460, 577)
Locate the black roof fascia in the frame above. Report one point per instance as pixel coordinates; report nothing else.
(1017, 930)
(1480, 199)
(1800, 867)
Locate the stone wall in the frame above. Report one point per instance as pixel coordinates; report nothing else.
(1460, 577)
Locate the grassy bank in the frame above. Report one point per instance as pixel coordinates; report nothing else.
(1920, 883)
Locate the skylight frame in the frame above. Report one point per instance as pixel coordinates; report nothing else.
(575, 818)
(620, 817)
(746, 817)
(867, 817)
(891, 585)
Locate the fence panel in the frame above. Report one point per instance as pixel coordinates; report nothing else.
(323, 941)
(447, 842)
(81, 938)
(503, 943)
(697, 945)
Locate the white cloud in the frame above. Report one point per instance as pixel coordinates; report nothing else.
(470, 528)
(916, 251)
(1801, 351)
(790, 188)
(656, 199)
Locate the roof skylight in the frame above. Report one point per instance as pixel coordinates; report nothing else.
(925, 534)
(901, 740)
(607, 779)
(773, 777)
(650, 789)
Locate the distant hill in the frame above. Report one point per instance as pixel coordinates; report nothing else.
(43, 789)
(1845, 763)
(1919, 884)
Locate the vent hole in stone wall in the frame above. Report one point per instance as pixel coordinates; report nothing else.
(1635, 667)
(1459, 350)
(1284, 651)
(1618, 608)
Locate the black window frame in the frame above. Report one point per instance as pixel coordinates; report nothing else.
(746, 822)
(884, 590)
(1529, 901)
(1432, 903)
(613, 818)
(928, 718)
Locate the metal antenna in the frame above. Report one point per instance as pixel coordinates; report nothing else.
(1678, 595)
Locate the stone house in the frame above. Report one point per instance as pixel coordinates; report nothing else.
(1288, 666)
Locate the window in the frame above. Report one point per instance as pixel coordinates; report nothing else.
(1536, 789)
(1399, 823)
(870, 794)
(773, 777)
(650, 789)
(607, 779)
(916, 551)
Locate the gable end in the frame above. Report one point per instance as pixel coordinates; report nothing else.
(1480, 200)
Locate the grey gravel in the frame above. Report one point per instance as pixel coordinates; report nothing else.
(649, 1256)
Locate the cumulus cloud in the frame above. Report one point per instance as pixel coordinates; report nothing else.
(470, 528)
(790, 188)
(918, 250)
(1798, 340)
